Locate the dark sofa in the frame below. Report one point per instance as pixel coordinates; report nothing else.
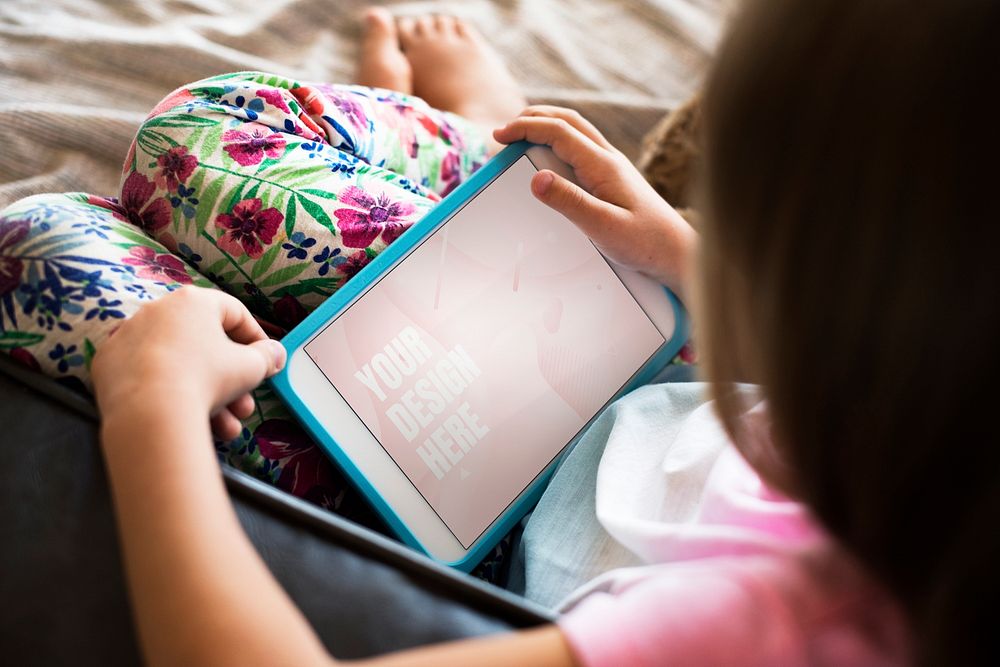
(62, 592)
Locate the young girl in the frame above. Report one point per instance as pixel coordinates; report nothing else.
(845, 266)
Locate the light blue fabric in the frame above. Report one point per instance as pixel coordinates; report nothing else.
(563, 545)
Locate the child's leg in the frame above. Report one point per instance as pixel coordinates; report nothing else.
(276, 212)
(278, 207)
(72, 268)
(50, 324)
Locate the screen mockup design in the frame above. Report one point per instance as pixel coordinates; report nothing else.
(476, 359)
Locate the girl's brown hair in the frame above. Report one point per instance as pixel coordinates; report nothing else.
(850, 266)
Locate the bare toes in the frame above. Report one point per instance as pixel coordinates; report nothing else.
(445, 24)
(407, 31)
(465, 30)
(425, 26)
(382, 63)
(379, 27)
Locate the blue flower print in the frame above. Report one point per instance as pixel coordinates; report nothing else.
(105, 309)
(65, 356)
(184, 200)
(190, 255)
(297, 245)
(410, 186)
(327, 258)
(139, 290)
(251, 107)
(93, 226)
(345, 168)
(90, 282)
(314, 148)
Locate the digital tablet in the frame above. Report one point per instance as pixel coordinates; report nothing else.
(449, 375)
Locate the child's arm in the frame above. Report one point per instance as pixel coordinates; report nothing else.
(200, 593)
(614, 205)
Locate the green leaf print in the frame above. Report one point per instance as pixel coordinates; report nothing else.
(217, 266)
(316, 211)
(235, 196)
(206, 202)
(11, 339)
(180, 120)
(195, 184)
(48, 245)
(213, 139)
(265, 261)
(290, 217)
(197, 180)
(154, 143)
(88, 353)
(321, 286)
(209, 91)
(137, 237)
(284, 275)
(269, 163)
(325, 194)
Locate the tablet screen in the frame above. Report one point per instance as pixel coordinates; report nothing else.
(484, 352)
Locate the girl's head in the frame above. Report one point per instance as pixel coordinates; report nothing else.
(850, 265)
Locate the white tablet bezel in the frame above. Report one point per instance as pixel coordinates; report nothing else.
(337, 417)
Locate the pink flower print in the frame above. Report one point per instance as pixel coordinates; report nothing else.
(688, 353)
(305, 470)
(353, 263)
(12, 232)
(249, 145)
(248, 228)
(274, 98)
(175, 167)
(25, 358)
(109, 203)
(135, 207)
(377, 216)
(161, 268)
(351, 109)
(288, 311)
(451, 174)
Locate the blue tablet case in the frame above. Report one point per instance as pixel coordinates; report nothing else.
(368, 275)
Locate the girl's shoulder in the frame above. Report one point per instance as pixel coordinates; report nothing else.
(735, 573)
(812, 607)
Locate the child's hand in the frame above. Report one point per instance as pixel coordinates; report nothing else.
(620, 212)
(195, 349)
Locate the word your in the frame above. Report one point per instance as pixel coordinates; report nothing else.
(425, 399)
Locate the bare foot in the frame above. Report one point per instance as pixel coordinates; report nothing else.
(454, 69)
(382, 64)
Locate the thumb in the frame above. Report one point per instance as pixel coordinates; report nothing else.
(592, 215)
(249, 365)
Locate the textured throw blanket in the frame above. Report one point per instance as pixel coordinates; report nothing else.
(78, 76)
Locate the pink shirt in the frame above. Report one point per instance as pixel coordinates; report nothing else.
(747, 579)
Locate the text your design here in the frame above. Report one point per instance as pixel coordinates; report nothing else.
(430, 409)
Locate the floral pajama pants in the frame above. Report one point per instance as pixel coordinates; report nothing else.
(252, 183)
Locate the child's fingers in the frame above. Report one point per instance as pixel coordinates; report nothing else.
(242, 407)
(574, 118)
(227, 422)
(593, 216)
(238, 323)
(567, 142)
(246, 366)
(225, 425)
(237, 320)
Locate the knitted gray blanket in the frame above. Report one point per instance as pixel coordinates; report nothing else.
(78, 76)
